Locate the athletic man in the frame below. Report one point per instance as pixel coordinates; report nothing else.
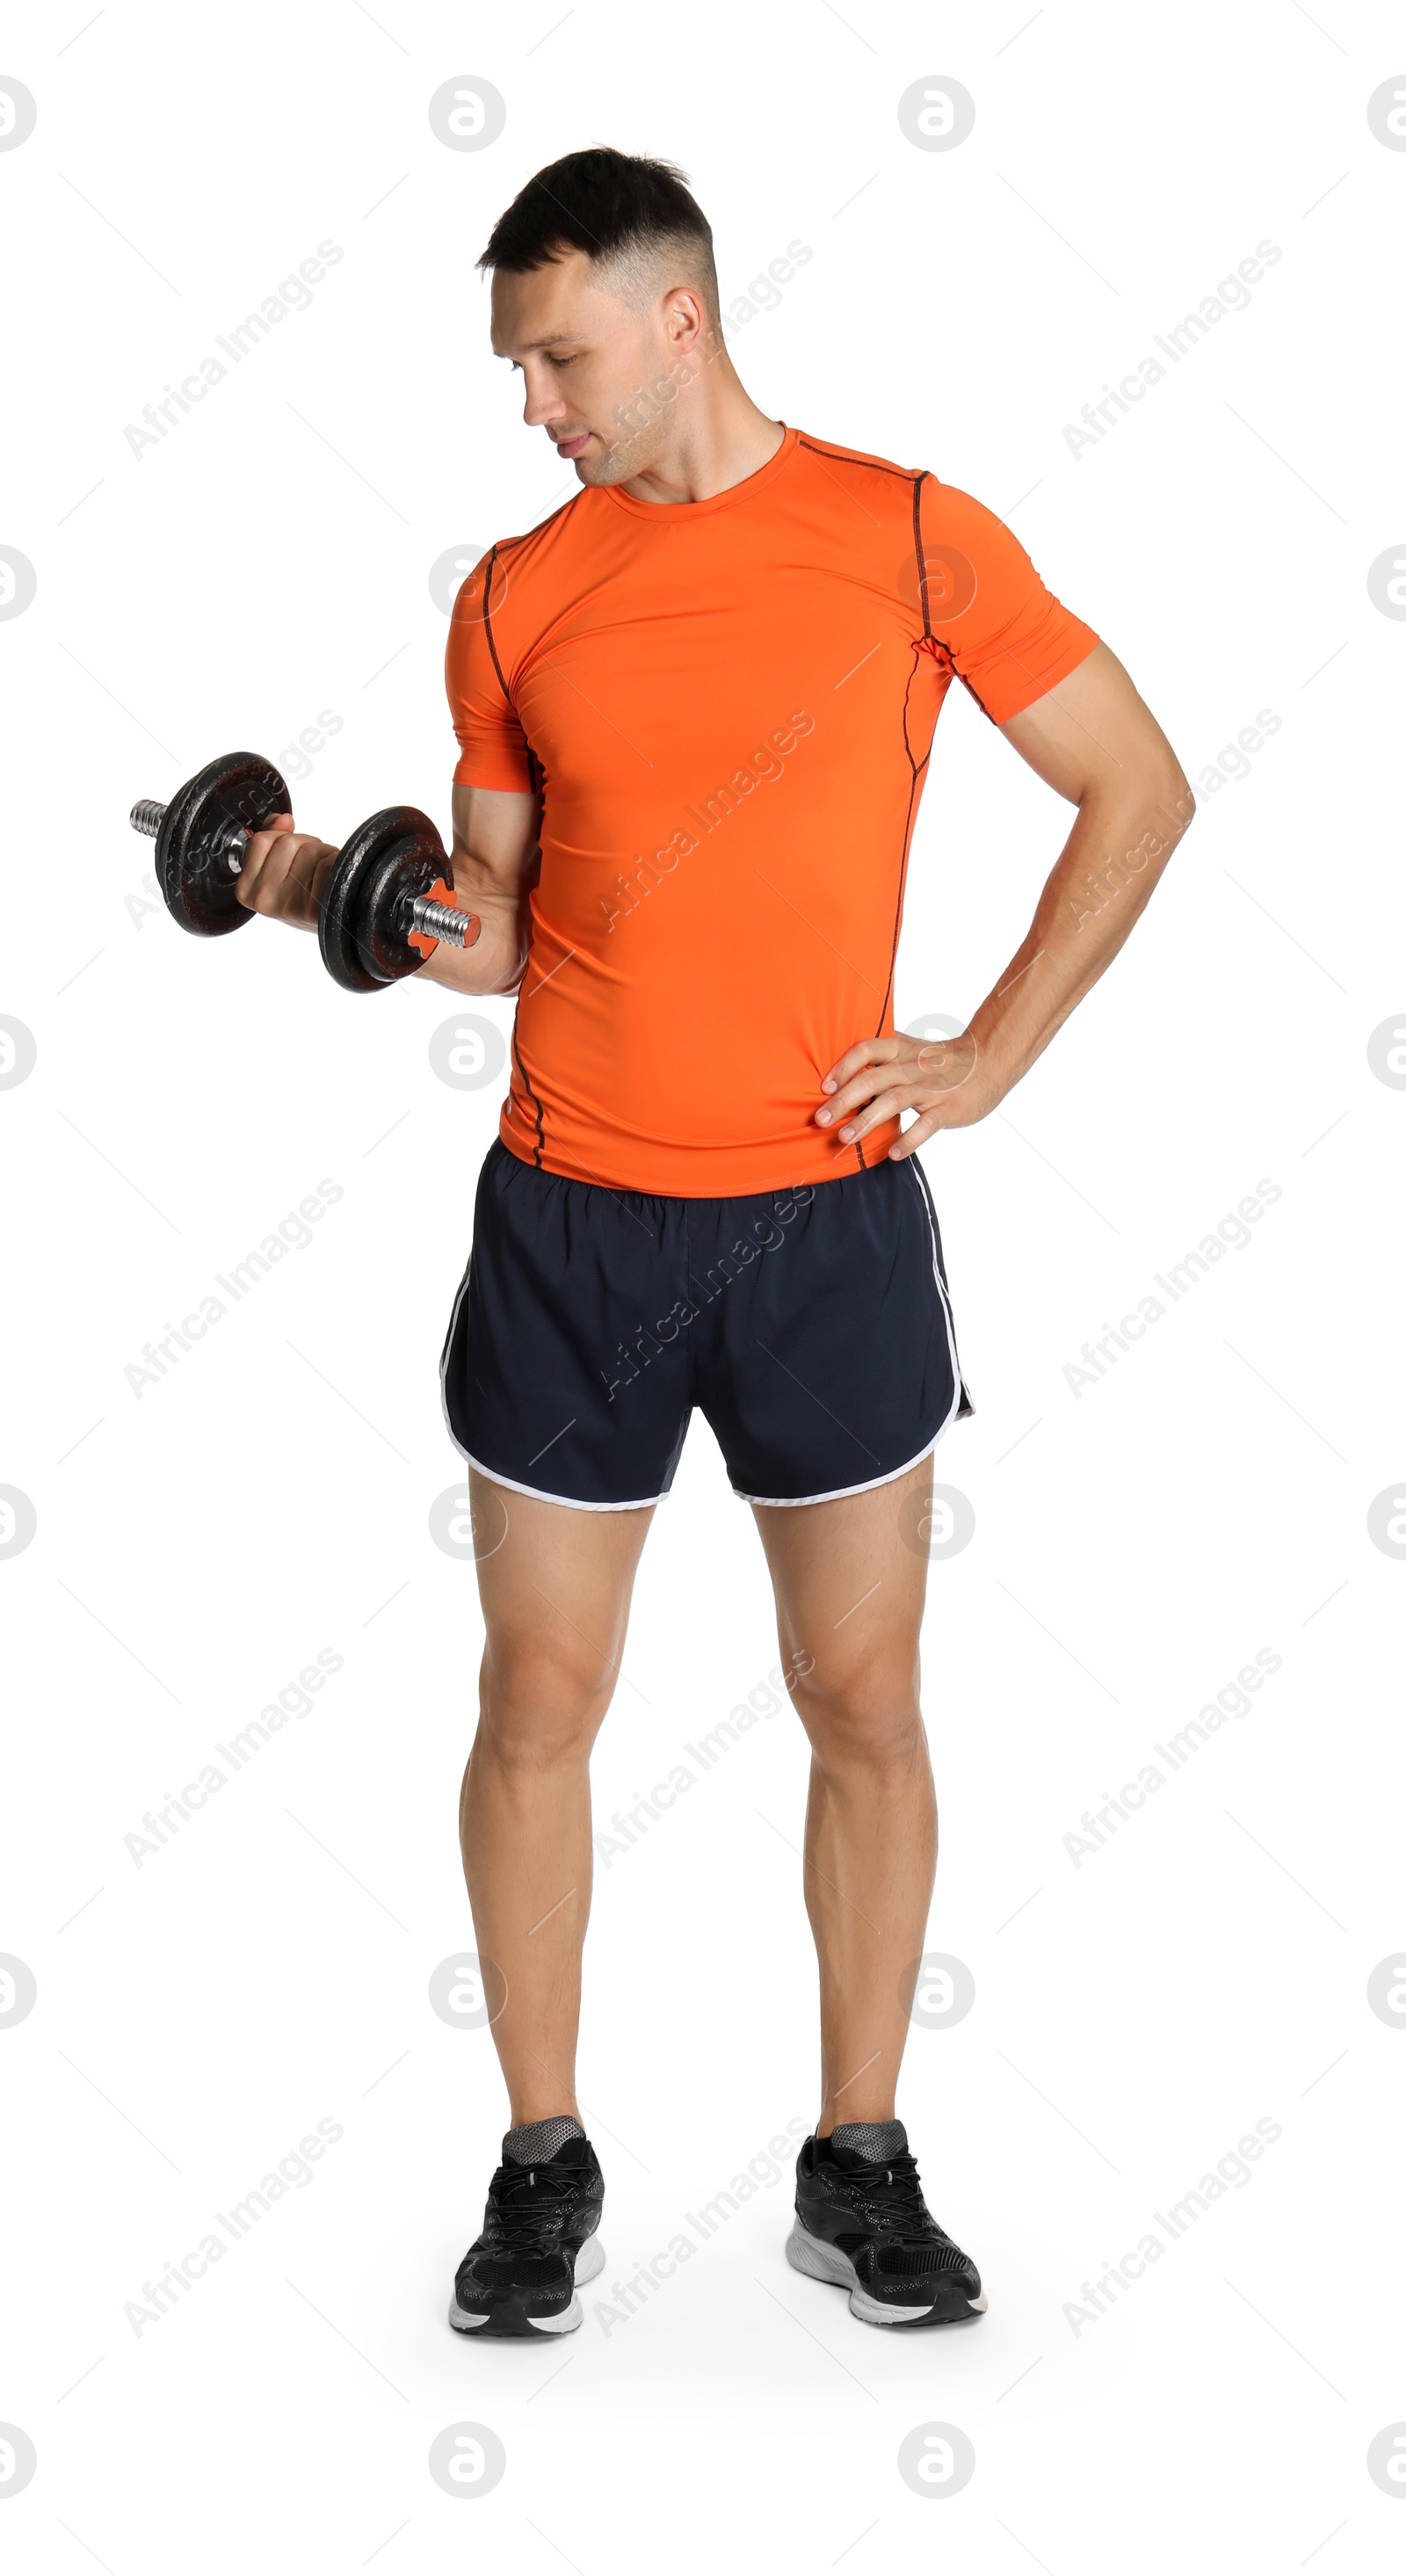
(695, 709)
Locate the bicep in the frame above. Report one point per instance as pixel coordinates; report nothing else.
(1091, 731)
(495, 838)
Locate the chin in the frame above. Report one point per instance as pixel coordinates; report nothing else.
(604, 465)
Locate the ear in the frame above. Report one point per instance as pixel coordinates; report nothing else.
(686, 323)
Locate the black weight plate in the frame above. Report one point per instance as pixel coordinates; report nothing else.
(194, 873)
(407, 869)
(168, 835)
(336, 932)
(395, 852)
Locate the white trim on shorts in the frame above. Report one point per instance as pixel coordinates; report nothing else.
(444, 1354)
(841, 1494)
(925, 1194)
(568, 1502)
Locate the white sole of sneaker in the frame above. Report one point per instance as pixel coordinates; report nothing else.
(589, 2262)
(822, 2262)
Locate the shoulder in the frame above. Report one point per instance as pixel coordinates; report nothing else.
(949, 511)
(514, 563)
(864, 498)
(855, 463)
(934, 516)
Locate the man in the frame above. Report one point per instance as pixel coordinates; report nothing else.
(695, 709)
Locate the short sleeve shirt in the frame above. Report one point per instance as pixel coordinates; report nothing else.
(728, 707)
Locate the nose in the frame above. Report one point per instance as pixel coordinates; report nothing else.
(540, 402)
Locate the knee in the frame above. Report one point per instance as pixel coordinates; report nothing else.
(865, 1716)
(539, 1709)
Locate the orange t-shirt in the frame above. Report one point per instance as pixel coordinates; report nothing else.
(729, 706)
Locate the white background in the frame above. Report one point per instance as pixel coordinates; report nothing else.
(1135, 1544)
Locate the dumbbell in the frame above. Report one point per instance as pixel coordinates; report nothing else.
(385, 905)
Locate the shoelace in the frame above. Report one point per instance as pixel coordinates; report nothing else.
(529, 2203)
(891, 2196)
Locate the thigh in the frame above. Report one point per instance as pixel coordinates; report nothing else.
(850, 1579)
(555, 1584)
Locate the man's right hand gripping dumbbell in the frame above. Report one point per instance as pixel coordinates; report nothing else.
(284, 873)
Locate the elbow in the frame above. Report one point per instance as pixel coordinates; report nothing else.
(1174, 796)
(1173, 806)
(1181, 803)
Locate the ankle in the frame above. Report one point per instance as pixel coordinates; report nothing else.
(872, 2116)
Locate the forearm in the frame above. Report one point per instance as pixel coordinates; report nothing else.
(494, 963)
(496, 862)
(1100, 884)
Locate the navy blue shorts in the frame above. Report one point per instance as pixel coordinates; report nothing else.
(811, 1327)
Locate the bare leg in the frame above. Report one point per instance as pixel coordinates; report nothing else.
(849, 1605)
(556, 1597)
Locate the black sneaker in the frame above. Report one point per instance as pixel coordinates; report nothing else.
(544, 2204)
(862, 2222)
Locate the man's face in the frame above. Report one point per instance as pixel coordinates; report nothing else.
(599, 376)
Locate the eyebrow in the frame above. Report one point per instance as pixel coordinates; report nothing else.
(549, 340)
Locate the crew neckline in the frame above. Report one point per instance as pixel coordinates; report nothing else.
(665, 510)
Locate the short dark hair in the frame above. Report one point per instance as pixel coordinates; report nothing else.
(612, 205)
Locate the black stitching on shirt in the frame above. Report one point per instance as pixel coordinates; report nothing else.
(488, 626)
(918, 481)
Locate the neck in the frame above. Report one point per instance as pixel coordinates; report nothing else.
(716, 436)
